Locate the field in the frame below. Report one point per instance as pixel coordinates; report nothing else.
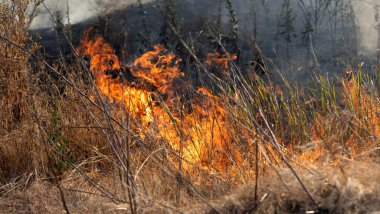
(179, 130)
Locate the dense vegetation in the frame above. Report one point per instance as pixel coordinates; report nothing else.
(184, 122)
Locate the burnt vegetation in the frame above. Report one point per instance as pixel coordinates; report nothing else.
(220, 106)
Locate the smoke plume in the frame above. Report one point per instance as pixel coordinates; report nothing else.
(76, 11)
(365, 11)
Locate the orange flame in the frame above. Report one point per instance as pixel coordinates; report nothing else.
(157, 68)
(199, 135)
(359, 116)
(363, 106)
(219, 60)
(103, 59)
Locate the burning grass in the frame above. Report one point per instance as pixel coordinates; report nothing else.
(197, 131)
(143, 137)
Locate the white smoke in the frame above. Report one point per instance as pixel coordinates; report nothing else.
(365, 11)
(79, 10)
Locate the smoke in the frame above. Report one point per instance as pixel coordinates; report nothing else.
(79, 11)
(76, 11)
(365, 11)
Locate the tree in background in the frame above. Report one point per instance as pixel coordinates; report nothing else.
(287, 29)
(234, 27)
(319, 8)
(308, 26)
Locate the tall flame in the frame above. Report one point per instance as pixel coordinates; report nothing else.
(197, 132)
(103, 59)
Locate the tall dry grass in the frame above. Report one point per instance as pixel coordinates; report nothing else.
(55, 123)
(18, 147)
(39, 132)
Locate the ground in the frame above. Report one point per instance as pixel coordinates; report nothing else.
(352, 187)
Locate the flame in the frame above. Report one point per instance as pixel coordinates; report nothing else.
(198, 132)
(157, 68)
(358, 118)
(219, 60)
(103, 59)
(198, 129)
(362, 105)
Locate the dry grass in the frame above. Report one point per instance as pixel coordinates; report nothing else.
(345, 189)
(17, 129)
(63, 142)
(338, 190)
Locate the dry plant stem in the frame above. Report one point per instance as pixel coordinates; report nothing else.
(60, 192)
(8, 188)
(85, 192)
(77, 57)
(84, 127)
(217, 80)
(66, 80)
(34, 11)
(234, 24)
(175, 174)
(214, 78)
(193, 189)
(172, 171)
(274, 138)
(72, 85)
(264, 152)
(315, 58)
(57, 24)
(180, 177)
(277, 146)
(145, 161)
(47, 154)
(56, 72)
(120, 162)
(185, 181)
(131, 187)
(97, 186)
(125, 150)
(256, 169)
(286, 162)
(100, 188)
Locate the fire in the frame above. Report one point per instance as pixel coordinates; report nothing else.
(197, 128)
(103, 59)
(362, 105)
(219, 60)
(197, 131)
(157, 68)
(359, 119)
